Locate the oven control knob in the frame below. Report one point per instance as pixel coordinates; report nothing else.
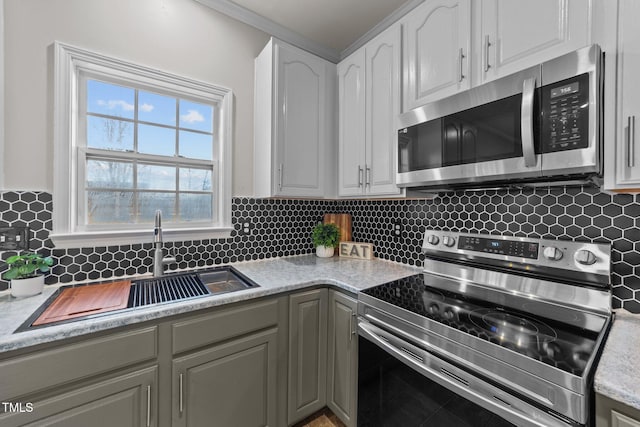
(552, 253)
(585, 257)
(448, 241)
(433, 239)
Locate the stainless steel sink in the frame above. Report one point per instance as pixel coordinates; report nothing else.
(164, 289)
(177, 287)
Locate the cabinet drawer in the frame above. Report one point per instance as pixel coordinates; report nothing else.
(124, 401)
(223, 324)
(47, 368)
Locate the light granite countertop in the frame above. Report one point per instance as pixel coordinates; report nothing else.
(274, 276)
(618, 373)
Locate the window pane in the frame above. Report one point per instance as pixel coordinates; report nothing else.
(148, 203)
(109, 134)
(156, 108)
(109, 207)
(196, 145)
(156, 140)
(110, 99)
(195, 207)
(195, 179)
(196, 116)
(152, 177)
(109, 174)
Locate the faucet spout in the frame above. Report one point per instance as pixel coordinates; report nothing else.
(159, 260)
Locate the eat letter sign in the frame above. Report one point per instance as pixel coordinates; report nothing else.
(356, 250)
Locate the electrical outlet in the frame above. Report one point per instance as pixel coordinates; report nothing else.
(245, 227)
(14, 238)
(397, 229)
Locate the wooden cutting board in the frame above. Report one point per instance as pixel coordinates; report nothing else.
(84, 300)
(343, 221)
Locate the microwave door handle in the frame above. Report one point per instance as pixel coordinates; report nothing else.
(526, 122)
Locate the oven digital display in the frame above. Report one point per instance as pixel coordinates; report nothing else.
(500, 247)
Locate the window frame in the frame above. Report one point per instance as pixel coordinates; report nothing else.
(71, 66)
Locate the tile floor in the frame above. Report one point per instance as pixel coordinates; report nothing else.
(322, 418)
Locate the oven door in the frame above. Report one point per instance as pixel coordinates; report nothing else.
(416, 388)
(488, 133)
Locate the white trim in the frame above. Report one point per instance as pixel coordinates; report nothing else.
(69, 61)
(274, 29)
(104, 238)
(2, 85)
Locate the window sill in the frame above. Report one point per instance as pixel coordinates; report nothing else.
(111, 238)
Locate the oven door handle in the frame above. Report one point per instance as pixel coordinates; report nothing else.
(446, 374)
(526, 122)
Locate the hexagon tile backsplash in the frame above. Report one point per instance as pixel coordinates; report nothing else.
(283, 227)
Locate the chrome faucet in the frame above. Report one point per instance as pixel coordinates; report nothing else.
(159, 260)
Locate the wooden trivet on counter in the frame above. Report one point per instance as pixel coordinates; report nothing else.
(84, 300)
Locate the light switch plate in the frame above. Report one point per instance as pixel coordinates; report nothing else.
(14, 238)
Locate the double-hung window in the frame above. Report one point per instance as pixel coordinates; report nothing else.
(131, 140)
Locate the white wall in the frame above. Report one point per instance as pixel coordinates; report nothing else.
(178, 36)
(1, 94)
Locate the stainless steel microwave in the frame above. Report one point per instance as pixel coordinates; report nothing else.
(541, 124)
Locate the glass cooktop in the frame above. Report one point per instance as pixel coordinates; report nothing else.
(562, 346)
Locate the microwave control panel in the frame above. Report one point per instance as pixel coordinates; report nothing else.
(565, 114)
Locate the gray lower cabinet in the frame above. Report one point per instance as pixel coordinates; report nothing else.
(610, 413)
(128, 400)
(307, 353)
(342, 375)
(107, 380)
(268, 362)
(229, 366)
(231, 384)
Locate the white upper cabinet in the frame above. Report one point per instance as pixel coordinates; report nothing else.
(437, 40)
(622, 168)
(516, 34)
(351, 125)
(293, 123)
(369, 103)
(382, 109)
(452, 45)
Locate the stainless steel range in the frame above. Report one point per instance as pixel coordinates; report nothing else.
(514, 325)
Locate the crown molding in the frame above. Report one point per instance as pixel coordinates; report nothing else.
(380, 27)
(255, 20)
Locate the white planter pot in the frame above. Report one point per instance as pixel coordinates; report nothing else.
(27, 287)
(324, 251)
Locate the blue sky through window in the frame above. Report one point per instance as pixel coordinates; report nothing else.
(120, 102)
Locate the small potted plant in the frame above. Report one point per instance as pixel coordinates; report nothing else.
(24, 274)
(325, 238)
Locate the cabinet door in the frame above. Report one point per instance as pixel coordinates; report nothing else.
(436, 51)
(516, 34)
(628, 135)
(231, 384)
(620, 420)
(351, 125)
(307, 353)
(342, 380)
(300, 123)
(382, 108)
(125, 401)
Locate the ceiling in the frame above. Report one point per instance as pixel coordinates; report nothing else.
(332, 29)
(333, 23)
